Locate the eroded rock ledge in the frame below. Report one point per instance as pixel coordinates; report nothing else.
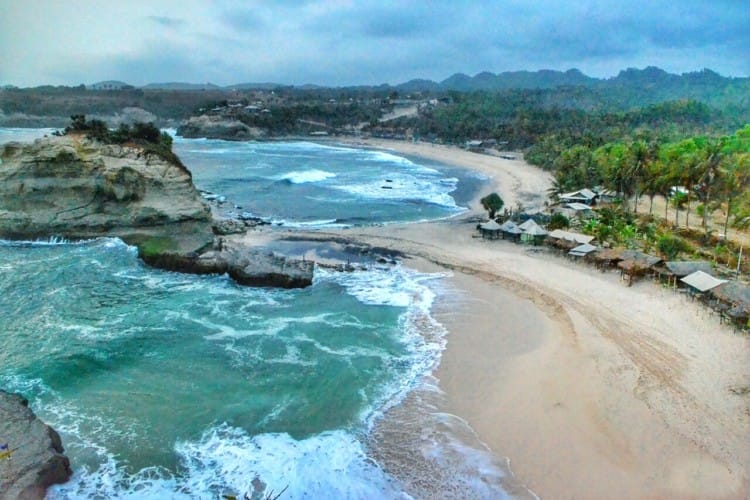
(77, 188)
(36, 461)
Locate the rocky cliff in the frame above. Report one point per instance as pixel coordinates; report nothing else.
(73, 187)
(76, 188)
(34, 458)
(218, 127)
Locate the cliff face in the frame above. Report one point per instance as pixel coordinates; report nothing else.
(36, 459)
(75, 188)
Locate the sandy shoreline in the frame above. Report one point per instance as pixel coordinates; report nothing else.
(592, 389)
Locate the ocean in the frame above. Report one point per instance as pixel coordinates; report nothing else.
(166, 385)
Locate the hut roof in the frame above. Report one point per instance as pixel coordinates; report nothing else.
(643, 259)
(578, 207)
(510, 227)
(578, 238)
(608, 254)
(490, 226)
(683, 268)
(531, 228)
(733, 292)
(582, 250)
(702, 281)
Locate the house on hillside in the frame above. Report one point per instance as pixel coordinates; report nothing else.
(585, 196)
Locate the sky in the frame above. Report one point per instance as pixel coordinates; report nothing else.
(368, 42)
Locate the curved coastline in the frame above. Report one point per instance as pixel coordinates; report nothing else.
(592, 390)
(617, 392)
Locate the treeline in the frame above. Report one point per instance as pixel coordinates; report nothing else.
(146, 135)
(711, 171)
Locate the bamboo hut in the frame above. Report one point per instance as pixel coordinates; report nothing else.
(734, 296)
(606, 258)
(635, 264)
(670, 272)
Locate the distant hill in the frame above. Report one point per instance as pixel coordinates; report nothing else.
(181, 86)
(109, 85)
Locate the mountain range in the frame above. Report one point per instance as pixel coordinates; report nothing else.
(461, 82)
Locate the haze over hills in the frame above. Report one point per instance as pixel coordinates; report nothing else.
(461, 82)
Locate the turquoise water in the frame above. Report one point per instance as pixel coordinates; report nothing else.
(304, 184)
(197, 380)
(165, 385)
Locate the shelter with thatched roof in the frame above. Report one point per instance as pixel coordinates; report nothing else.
(670, 272)
(635, 263)
(490, 229)
(510, 230)
(532, 232)
(567, 240)
(735, 296)
(606, 257)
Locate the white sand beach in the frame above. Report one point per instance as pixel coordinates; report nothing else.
(592, 389)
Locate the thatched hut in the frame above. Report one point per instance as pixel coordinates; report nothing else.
(567, 240)
(490, 229)
(606, 258)
(735, 296)
(532, 232)
(510, 230)
(670, 272)
(635, 264)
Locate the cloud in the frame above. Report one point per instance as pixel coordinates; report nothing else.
(343, 42)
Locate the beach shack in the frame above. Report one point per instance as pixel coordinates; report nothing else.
(671, 272)
(582, 251)
(511, 231)
(635, 264)
(606, 258)
(532, 233)
(733, 301)
(490, 230)
(699, 282)
(585, 196)
(567, 240)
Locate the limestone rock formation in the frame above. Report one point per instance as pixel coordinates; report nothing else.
(76, 188)
(36, 460)
(218, 127)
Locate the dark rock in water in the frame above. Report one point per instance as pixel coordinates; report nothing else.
(223, 227)
(247, 266)
(36, 461)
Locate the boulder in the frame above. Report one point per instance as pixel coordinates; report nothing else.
(37, 459)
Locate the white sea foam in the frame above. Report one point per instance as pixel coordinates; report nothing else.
(228, 461)
(304, 176)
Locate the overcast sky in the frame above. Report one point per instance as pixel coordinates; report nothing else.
(347, 42)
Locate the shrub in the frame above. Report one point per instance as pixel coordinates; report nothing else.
(558, 221)
(671, 246)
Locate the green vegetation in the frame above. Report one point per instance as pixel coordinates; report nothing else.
(492, 203)
(146, 135)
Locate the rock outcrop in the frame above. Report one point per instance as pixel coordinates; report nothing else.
(36, 459)
(76, 188)
(218, 127)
